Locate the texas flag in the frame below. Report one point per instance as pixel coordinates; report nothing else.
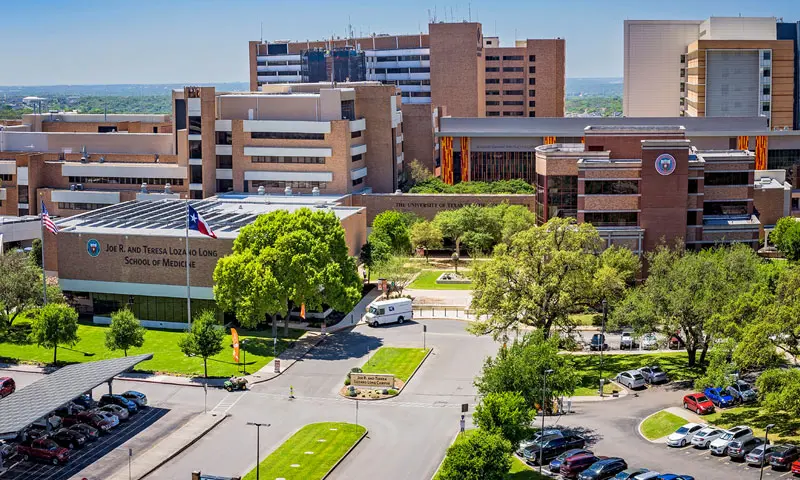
(196, 222)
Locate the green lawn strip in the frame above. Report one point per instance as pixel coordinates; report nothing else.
(522, 471)
(787, 427)
(304, 457)
(426, 280)
(583, 391)
(661, 424)
(400, 362)
(167, 356)
(587, 367)
(583, 319)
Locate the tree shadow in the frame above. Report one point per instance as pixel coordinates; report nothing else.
(344, 345)
(786, 425)
(18, 334)
(590, 435)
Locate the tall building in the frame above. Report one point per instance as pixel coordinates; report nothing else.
(791, 32)
(719, 67)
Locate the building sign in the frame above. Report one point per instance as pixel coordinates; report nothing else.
(665, 164)
(372, 380)
(93, 247)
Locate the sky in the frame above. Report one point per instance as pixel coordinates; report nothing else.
(53, 42)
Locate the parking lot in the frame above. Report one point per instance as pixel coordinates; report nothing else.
(90, 453)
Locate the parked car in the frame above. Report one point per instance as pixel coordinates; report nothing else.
(69, 409)
(647, 476)
(53, 420)
(740, 433)
(626, 341)
(684, 435)
(630, 473)
(381, 312)
(698, 403)
(121, 412)
(7, 386)
(654, 374)
(742, 391)
(139, 398)
(649, 341)
(719, 397)
(85, 401)
(112, 399)
(604, 469)
(675, 343)
(738, 449)
(551, 448)
(548, 433)
(555, 464)
(632, 379)
(672, 476)
(783, 456)
(94, 419)
(7, 450)
(68, 438)
(796, 467)
(113, 419)
(572, 466)
(43, 449)
(705, 436)
(598, 342)
(88, 431)
(760, 454)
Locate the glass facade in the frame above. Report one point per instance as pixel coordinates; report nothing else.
(611, 187)
(726, 178)
(490, 166)
(560, 194)
(164, 309)
(726, 207)
(612, 219)
(788, 160)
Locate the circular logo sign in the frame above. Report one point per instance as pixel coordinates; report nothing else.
(93, 247)
(665, 164)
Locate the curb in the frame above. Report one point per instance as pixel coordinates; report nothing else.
(639, 428)
(624, 392)
(439, 467)
(276, 375)
(430, 350)
(352, 447)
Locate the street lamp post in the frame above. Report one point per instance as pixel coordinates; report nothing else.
(602, 343)
(541, 433)
(764, 454)
(258, 445)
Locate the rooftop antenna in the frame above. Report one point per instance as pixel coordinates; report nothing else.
(469, 9)
(262, 32)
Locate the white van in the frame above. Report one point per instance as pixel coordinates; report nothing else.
(389, 311)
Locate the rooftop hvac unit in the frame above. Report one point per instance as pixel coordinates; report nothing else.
(766, 180)
(315, 191)
(287, 191)
(168, 188)
(261, 190)
(144, 188)
(102, 159)
(72, 187)
(79, 186)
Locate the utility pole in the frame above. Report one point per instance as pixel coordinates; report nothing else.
(602, 343)
(258, 445)
(541, 433)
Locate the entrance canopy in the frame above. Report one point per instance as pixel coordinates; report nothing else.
(38, 399)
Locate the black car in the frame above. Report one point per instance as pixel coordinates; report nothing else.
(70, 408)
(551, 448)
(737, 450)
(605, 468)
(783, 456)
(87, 431)
(68, 438)
(111, 399)
(598, 342)
(85, 401)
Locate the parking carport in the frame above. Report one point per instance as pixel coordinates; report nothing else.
(44, 396)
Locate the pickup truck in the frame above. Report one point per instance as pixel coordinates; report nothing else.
(43, 449)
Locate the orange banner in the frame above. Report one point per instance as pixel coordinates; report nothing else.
(761, 152)
(235, 342)
(447, 160)
(303, 311)
(464, 159)
(549, 140)
(742, 142)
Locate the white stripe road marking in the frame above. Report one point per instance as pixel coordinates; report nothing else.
(375, 404)
(227, 403)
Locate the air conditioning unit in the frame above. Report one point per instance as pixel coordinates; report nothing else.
(72, 187)
(79, 186)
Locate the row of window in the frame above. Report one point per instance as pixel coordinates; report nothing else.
(356, 134)
(278, 73)
(531, 93)
(513, 80)
(611, 187)
(612, 219)
(224, 161)
(415, 94)
(148, 308)
(379, 71)
(287, 136)
(263, 63)
(413, 82)
(127, 181)
(358, 181)
(505, 69)
(510, 114)
(282, 184)
(5, 177)
(266, 159)
(359, 157)
(224, 138)
(726, 178)
(513, 102)
(403, 58)
(728, 207)
(81, 206)
(496, 58)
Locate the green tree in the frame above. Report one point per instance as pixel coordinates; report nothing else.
(521, 367)
(420, 172)
(477, 227)
(373, 253)
(514, 219)
(779, 390)
(398, 273)
(55, 324)
(36, 252)
(538, 280)
(721, 369)
(617, 271)
(393, 228)
(204, 339)
(480, 455)
(284, 259)
(426, 235)
(786, 237)
(505, 413)
(125, 332)
(20, 286)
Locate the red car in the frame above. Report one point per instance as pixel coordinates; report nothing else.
(572, 466)
(698, 403)
(796, 467)
(89, 418)
(7, 386)
(43, 449)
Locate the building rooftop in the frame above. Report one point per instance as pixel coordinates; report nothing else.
(712, 155)
(730, 221)
(624, 128)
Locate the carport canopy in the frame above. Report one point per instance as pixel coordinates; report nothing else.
(38, 399)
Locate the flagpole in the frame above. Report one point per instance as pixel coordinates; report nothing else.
(44, 274)
(188, 285)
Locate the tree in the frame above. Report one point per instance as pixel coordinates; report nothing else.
(504, 413)
(393, 228)
(20, 286)
(204, 339)
(514, 219)
(479, 455)
(55, 324)
(284, 259)
(521, 368)
(373, 253)
(479, 228)
(721, 369)
(398, 273)
(779, 390)
(786, 237)
(426, 235)
(36, 252)
(618, 270)
(420, 172)
(538, 280)
(125, 332)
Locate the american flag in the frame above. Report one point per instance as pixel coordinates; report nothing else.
(47, 222)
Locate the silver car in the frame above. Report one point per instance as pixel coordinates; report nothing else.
(632, 379)
(654, 374)
(741, 391)
(760, 454)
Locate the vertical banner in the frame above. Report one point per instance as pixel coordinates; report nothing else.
(447, 160)
(549, 140)
(235, 342)
(761, 152)
(465, 173)
(742, 142)
(303, 311)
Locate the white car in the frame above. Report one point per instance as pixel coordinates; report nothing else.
(649, 341)
(109, 416)
(632, 379)
(626, 341)
(705, 436)
(683, 436)
(740, 433)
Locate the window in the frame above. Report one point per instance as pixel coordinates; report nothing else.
(683, 72)
(531, 93)
(766, 55)
(512, 114)
(611, 187)
(693, 218)
(224, 161)
(785, 159)
(106, 129)
(532, 69)
(5, 177)
(224, 138)
(492, 69)
(765, 107)
(264, 159)
(513, 80)
(282, 184)
(531, 58)
(492, 80)
(531, 114)
(492, 58)
(195, 174)
(358, 181)
(224, 185)
(683, 58)
(767, 72)
(512, 92)
(694, 186)
(349, 106)
(195, 149)
(80, 206)
(532, 81)
(726, 178)
(492, 92)
(765, 90)
(126, 180)
(514, 102)
(355, 134)
(512, 69)
(561, 195)
(287, 136)
(612, 219)
(492, 102)
(358, 158)
(513, 57)
(194, 125)
(726, 207)
(532, 103)
(22, 194)
(492, 114)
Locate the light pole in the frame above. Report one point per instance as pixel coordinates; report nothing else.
(764, 454)
(258, 444)
(541, 433)
(602, 343)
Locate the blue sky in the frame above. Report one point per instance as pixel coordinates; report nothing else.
(174, 41)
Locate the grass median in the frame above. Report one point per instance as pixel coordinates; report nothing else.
(587, 368)
(400, 362)
(310, 453)
(167, 356)
(426, 280)
(786, 429)
(661, 424)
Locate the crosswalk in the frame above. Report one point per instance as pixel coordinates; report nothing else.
(227, 403)
(379, 403)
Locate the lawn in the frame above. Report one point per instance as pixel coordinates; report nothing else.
(400, 362)
(584, 319)
(426, 280)
(167, 357)
(787, 427)
(661, 424)
(310, 453)
(588, 367)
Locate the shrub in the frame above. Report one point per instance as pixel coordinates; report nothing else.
(347, 381)
(391, 391)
